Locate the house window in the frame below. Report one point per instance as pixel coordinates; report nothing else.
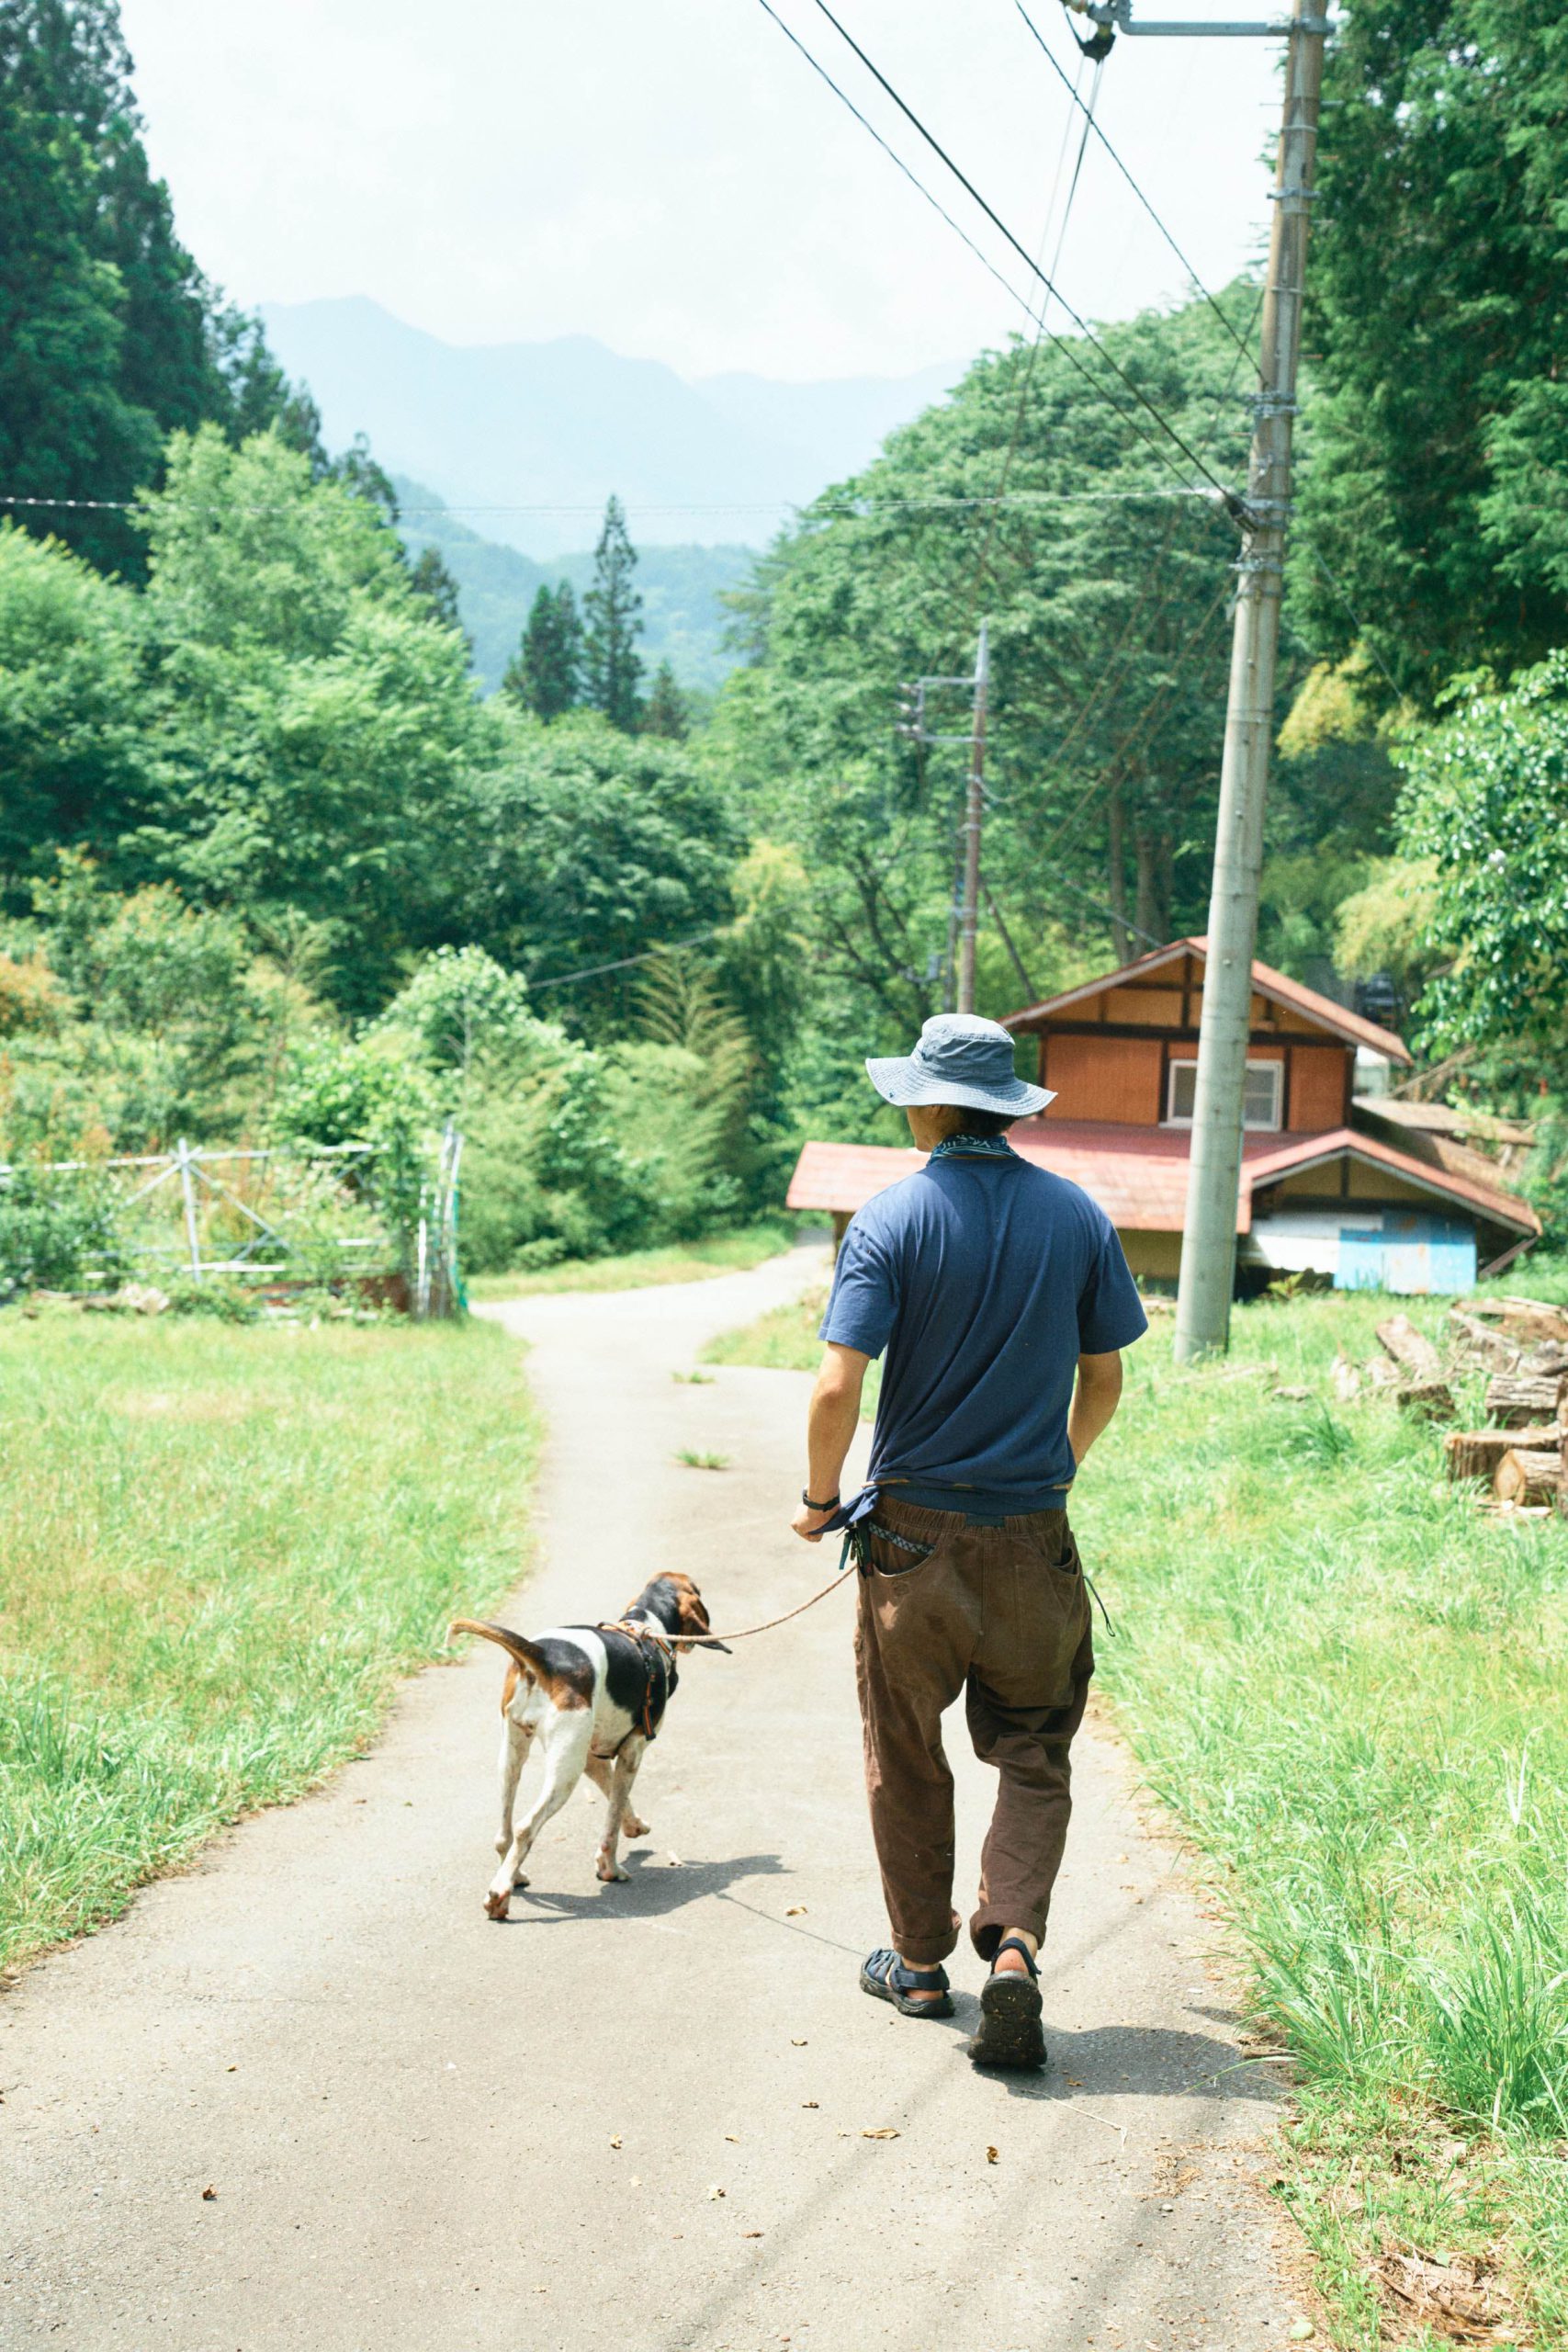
(1261, 1101)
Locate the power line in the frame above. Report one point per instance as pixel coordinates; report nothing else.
(847, 511)
(915, 181)
(592, 971)
(1127, 176)
(995, 218)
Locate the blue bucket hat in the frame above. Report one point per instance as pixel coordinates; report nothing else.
(961, 1059)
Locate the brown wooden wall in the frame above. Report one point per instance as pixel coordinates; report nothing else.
(1105, 1078)
(1318, 1089)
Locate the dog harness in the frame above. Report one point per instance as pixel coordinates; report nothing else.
(659, 1668)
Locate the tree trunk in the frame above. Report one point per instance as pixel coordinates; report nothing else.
(1150, 915)
(1120, 941)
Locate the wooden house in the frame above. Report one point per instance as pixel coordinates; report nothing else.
(1337, 1181)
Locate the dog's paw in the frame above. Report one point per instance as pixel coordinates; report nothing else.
(635, 1828)
(608, 1871)
(519, 1882)
(498, 1902)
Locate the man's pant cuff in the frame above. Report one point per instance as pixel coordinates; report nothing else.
(928, 1951)
(990, 1924)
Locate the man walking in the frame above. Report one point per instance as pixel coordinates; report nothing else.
(1002, 1300)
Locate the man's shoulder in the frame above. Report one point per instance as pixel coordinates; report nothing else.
(894, 1207)
(1059, 1196)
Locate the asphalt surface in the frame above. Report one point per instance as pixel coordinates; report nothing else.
(634, 2119)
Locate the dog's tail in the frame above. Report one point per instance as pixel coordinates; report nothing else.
(528, 1656)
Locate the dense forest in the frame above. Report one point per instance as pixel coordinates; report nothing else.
(271, 867)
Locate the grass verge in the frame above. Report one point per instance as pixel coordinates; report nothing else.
(219, 1549)
(1348, 1687)
(685, 1261)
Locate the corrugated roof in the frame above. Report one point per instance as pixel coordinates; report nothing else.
(1265, 979)
(1139, 1174)
(1299, 1153)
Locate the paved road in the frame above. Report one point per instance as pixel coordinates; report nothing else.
(632, 2120)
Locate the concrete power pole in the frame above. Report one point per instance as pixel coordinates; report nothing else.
(1208, 1241)
(974, 812)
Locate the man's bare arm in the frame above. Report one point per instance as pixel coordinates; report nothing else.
(1095, 1399)
(829, 1433)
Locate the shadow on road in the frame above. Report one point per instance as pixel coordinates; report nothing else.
(655, 1888)
(1122, 2060)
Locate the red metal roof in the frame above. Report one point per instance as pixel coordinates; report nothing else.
(1139, 1174)
(1265, 979)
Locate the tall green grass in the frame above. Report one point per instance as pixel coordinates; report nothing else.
(1350, 1687)
(219, 1549)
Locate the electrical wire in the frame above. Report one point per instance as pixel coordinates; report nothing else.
(894, 157)
(1072, 93)
(1026, 382)
(1035, 269)
(850, 511)
(592, 971)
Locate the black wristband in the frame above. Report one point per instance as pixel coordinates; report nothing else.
(805, 1498)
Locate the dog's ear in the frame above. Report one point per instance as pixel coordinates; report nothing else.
(695, 1621)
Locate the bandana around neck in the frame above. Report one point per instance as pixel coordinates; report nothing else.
(992, 1147)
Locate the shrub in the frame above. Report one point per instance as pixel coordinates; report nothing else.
(56, 1228)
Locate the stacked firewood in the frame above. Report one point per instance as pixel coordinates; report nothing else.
(1522, 1345)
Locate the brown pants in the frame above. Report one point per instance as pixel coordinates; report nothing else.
(1002, 1614)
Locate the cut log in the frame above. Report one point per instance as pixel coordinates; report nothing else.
(1515, 1399)
(1528, 1474)
(1475, 1454)
(1528, 1320)
(1480, 1341)
(1431, 1398)
(1550, 1356)
(1413, 1353)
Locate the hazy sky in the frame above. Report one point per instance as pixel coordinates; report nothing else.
(670, 176)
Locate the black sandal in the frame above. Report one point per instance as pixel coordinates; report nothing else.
(885, 1978)
(1011, 2033)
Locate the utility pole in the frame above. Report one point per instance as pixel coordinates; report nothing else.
(1208, 1241)
(974, 812)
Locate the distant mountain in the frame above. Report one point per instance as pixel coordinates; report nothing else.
(683, 621)
(546, 430)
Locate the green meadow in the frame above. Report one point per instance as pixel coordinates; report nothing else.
(219, 1547)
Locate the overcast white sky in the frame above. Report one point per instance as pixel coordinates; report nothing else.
(670, 175)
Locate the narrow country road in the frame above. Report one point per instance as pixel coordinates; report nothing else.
(633, 2119)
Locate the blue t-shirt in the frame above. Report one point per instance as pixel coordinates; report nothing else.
(984, 1279)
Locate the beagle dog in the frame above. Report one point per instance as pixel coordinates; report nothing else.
(593, 1696)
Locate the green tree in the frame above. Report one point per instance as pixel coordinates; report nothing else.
(594, 847)
(1486, 804)
(1435, 492)
(76, 755)
(612, 611)
(67, 428)
(111, 334)
(664, 713)
(1105, 589)
(435, 585)
(544, 675)
(318, 734)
